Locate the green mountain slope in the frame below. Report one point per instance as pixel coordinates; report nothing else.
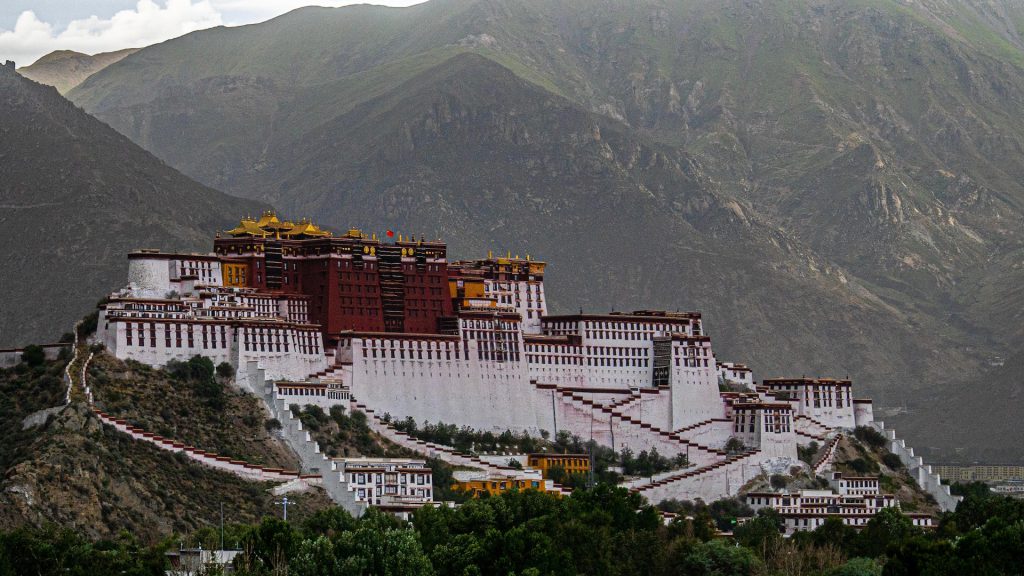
(75, 197)
(65, 69)
(836, 184)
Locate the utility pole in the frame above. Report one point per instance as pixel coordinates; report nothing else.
(284, 502)
(221, 525)
(590, 448)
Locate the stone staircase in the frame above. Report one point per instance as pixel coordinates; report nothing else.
(810, 427)
(827, 456)
(309, 453)
(671, 441)
(696, 426)
(432, 450)
(687, 484)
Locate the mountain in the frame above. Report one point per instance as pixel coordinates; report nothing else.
(65, 69)
(75, 197)
(837, 185)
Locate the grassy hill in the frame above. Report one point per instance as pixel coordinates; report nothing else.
(229, 423)
(72, 471)
(837, 185)
(75, 197)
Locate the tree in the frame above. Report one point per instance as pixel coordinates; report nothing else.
(778, 481)
(892, 461)
(834, 532)
(718, 558)
(763, 532)
(329, 522)
(858, 567)
(888, 528)
(225, 370)
(33, 355)
(271, 544)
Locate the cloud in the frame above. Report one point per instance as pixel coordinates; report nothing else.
(147, 24)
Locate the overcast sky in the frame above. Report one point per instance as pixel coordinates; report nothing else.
(32, 28)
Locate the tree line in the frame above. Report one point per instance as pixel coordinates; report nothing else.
(602, 530)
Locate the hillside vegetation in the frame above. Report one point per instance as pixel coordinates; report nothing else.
(71, 471)
(836, 185)
(200, 410)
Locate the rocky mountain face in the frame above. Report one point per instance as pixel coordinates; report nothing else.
(835, 184)
(75, 197)
(65, 69)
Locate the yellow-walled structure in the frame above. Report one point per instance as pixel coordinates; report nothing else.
(234, 275)
(571, 463)
(495, 486)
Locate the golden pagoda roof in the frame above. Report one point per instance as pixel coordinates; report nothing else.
(247, 227)
(269, 220)
(306, 227)
(269, 225)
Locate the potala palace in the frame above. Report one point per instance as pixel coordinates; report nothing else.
(390, 325)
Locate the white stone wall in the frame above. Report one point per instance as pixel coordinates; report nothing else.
(863, 413)
(694, 384)
(486, 395)
(150, 277)
(224, 342)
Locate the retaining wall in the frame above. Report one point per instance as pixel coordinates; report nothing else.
(929, 481)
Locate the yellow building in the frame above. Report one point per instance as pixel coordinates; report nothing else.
(570, 463)
(495, 486)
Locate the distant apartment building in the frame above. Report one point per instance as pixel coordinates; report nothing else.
(979, 472)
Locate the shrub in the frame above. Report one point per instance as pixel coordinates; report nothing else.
(860, 465)
(33, 355)
(225, 370)
(734, 445)
(892, 461)
(869, 436)
(807, 453)
(778, 481)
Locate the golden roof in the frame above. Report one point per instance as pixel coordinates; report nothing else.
(269, 225)
(269, 220)
(247, 227)
(305, 227)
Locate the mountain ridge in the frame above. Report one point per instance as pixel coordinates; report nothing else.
(65, 69)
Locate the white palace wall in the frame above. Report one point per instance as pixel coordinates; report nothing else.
(443, 385)
(694, 383)
(284, 353)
